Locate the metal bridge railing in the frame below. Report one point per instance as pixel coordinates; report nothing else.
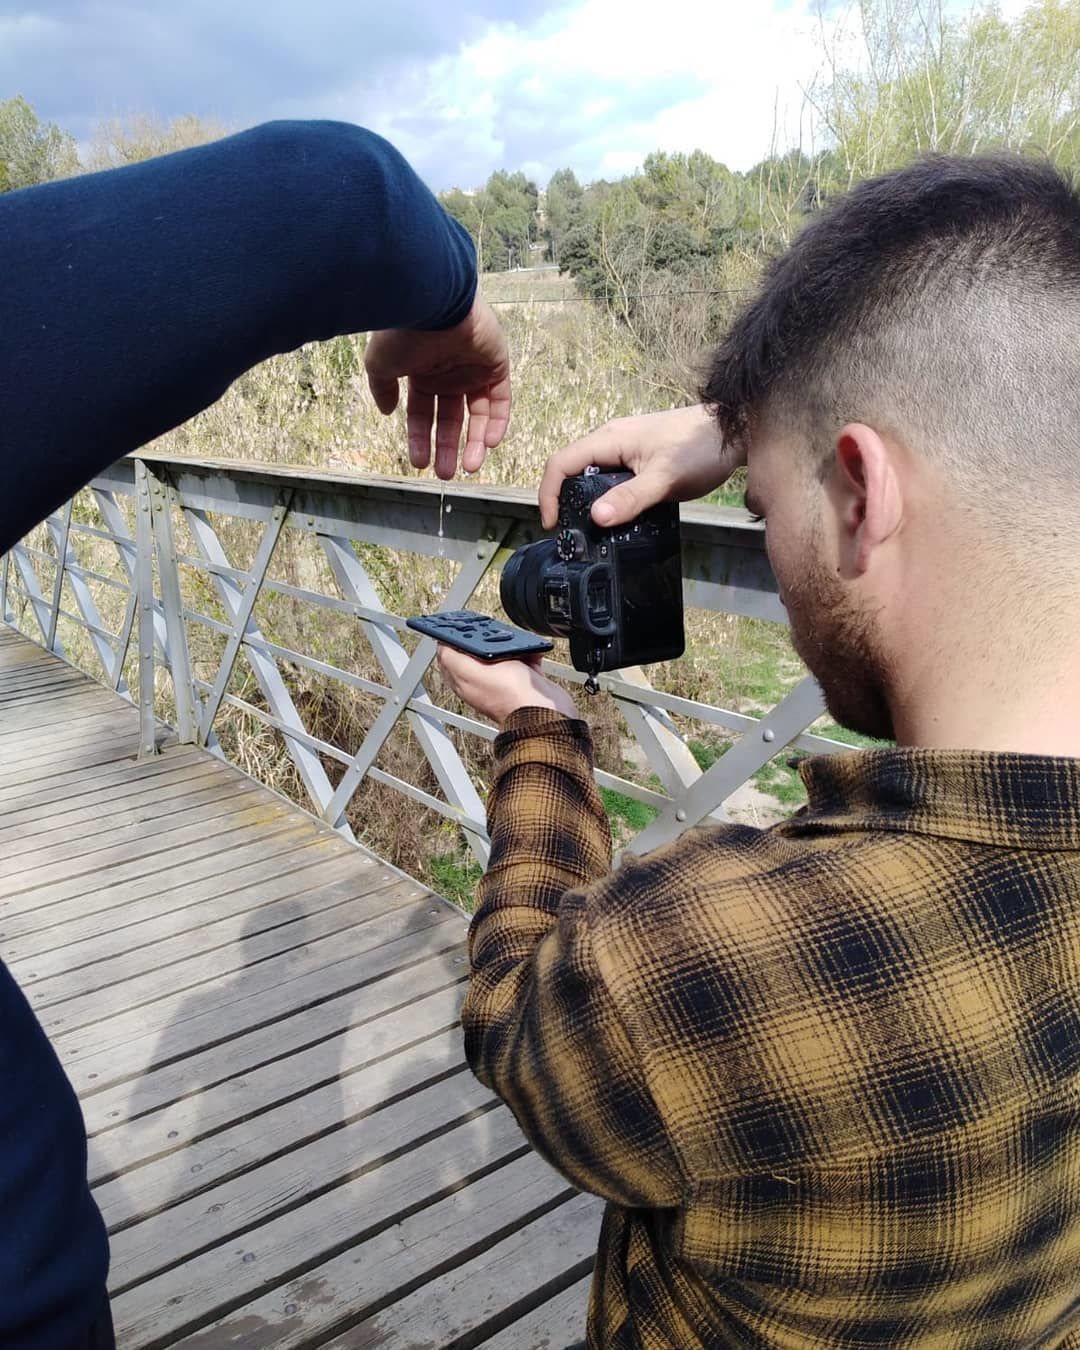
(163, 556)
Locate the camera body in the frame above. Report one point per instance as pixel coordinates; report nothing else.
(615, 593)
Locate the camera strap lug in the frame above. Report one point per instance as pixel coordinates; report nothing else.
(591, 686)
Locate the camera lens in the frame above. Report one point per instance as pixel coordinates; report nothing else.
(521, 587)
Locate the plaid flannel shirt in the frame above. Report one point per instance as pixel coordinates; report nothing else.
(827, 1074)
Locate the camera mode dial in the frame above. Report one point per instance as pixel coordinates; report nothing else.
(569, 545)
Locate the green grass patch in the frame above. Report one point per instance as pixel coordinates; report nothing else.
(626, 814)
(456, 878)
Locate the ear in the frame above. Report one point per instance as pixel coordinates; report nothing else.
(866, 493)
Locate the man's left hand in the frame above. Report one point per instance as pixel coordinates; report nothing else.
(467, 365)
(495, 689)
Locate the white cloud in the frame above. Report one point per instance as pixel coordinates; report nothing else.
(599, 85)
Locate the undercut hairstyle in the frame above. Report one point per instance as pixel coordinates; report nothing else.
(939, 304)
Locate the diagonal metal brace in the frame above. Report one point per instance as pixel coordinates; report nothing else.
(802, 706)
(253, 585)
(404, 682)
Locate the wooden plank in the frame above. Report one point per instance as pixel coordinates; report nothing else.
(24, 849)
(426, 1244)
(173, 1088)
(271, 1184)
(72, 726)
(31, 895)
(358, 902)
(105, 752)
(130, 1043)
(49, 684)
(261, 873)
(225, 1277)
(205, 1138)
(477, 1293)
(554, 1325)
(120, 805)
(73, 784)
(76, 718)
(110, 910)
(302, 892)
(17, 685)
(65, 737)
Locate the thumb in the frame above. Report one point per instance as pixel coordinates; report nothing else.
(621, 504)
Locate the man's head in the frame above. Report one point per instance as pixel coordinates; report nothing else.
(906, 386)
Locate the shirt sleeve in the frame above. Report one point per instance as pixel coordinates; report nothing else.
(541, 1028)
(134, 297)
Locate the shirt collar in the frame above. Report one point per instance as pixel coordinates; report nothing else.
(1010, 800)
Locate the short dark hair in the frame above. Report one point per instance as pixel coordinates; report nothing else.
(940, 302)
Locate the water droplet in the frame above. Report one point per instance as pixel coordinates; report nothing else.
(174, 1134)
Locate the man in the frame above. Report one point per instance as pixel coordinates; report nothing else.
(828, 1074)
(132, 299)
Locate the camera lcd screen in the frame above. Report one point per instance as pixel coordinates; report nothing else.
(652, 610)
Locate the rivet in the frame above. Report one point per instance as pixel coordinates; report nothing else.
(680, 815)
(397, 698)
(214, 1209)
(248, 1258)
(290, 1309)
(113, 1115)
(174, 1134)
(768, 734)
(91, 1075)
(311, 520)
(196, 1167)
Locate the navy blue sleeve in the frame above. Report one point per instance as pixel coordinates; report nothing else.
(131, 299)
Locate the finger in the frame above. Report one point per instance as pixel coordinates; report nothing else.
(499, 401)
(451, 414)
(476, 438)
(384, 392)
(603, 447)
(420, 412)
(630, 499)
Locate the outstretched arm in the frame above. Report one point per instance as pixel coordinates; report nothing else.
(133, 298)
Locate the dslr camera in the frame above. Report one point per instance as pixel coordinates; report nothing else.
(615, 593)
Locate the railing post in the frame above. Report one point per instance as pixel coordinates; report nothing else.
(176, 633)
(144, 579)
(60, 535)
(5, 617)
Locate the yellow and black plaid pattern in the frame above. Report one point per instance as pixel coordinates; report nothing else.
(826, 1074)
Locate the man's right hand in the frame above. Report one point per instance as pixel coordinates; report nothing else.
(676, 456)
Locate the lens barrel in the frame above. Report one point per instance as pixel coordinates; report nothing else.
(521, 587)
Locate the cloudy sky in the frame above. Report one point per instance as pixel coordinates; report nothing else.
(462, 86)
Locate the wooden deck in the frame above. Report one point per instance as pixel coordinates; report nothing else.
(260, 1020)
